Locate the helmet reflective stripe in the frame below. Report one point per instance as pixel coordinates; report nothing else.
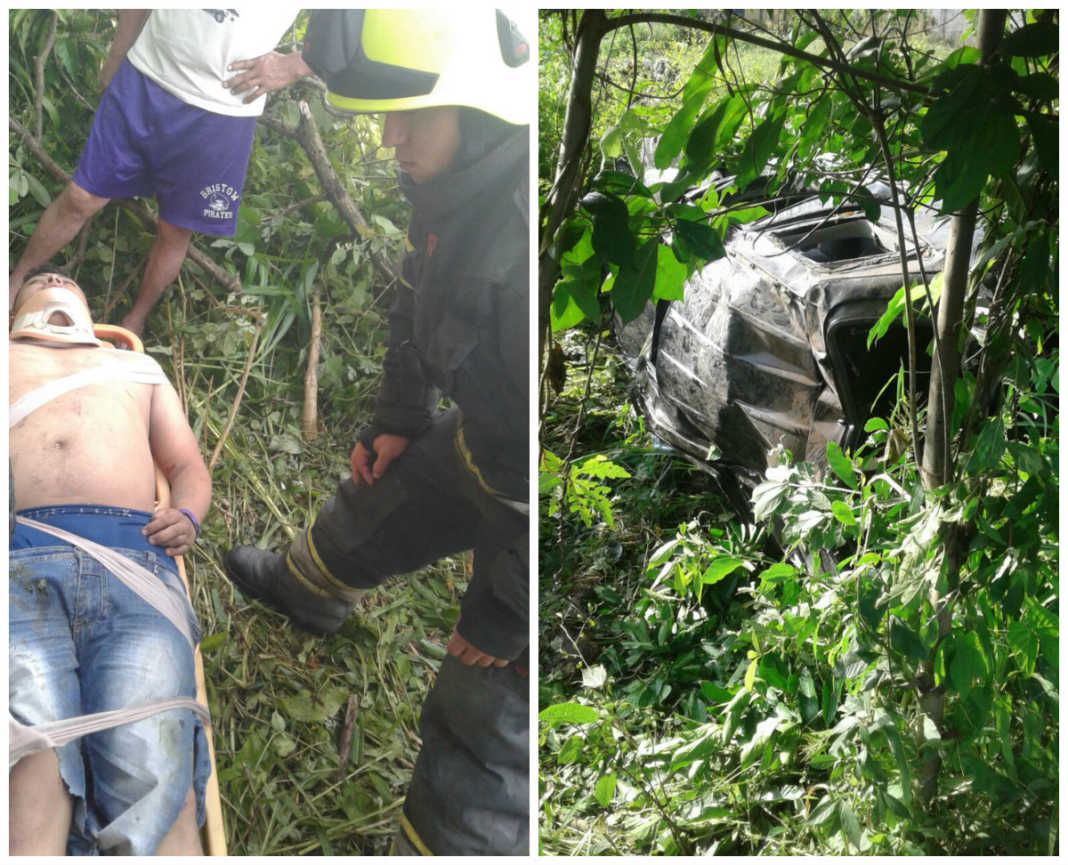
(382, 60)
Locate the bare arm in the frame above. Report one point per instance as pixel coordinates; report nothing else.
(175, 450)
(130, 23)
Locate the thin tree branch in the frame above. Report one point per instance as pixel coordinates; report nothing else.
(307, 133)
(225, 434)
(771, 45)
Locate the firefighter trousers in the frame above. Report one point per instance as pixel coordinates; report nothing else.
(469, 789)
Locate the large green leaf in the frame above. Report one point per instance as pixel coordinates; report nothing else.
(694, 93)
(698, 240)
(719, 569)
(705, 743)
(612, 239)
(850, 824)
(989, 447)
(717, 126)
(633, 285)
(843, 513)
(568, 235)
(568, 713)
(945, 125)
(575, 295)
(605, 788)
(759, 148)
(778, 573)
(670, 275)
(816, 120)
(903, 640)
(974, 150)
(1039, 85)
(1044, 131)
(752, 749)
(841, 465)
(1032, 40)
(620, 183)
(564, 312)
(969, 664)
(991, 152)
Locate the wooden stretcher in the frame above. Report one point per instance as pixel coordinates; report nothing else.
(213, 835)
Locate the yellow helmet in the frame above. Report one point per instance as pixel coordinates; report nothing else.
(380, 60)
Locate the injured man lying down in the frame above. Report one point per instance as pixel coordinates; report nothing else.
(99, 621)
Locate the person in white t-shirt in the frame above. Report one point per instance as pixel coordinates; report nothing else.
(176, 122)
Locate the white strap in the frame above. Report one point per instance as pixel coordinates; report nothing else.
(136, 578)
(23, 740)
(48, 391)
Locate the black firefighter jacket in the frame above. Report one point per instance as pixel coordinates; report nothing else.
(461, 326)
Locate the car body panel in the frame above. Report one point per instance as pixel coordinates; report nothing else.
(768, 346)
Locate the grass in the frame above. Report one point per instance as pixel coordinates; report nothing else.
(591, 581)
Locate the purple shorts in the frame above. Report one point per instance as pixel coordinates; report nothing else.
(145, 141)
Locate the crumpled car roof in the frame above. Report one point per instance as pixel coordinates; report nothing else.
(763, 351)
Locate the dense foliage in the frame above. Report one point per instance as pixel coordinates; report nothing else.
(238, 359)
(872, 666)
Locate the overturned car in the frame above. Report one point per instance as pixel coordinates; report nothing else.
(769, 345)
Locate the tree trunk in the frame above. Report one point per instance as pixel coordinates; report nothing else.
(937, 465)
(566, 185)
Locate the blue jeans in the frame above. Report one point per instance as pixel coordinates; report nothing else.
(81, 642)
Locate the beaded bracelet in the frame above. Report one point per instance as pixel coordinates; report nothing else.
(192, 519)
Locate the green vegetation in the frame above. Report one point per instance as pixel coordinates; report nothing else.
(872, 666)
(278, 697)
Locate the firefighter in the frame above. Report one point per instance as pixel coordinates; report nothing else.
(428, 483)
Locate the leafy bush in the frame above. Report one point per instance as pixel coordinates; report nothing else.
(788, 711)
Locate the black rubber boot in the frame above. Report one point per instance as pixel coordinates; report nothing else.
(265, 577)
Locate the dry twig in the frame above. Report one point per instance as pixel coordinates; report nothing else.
(309, 416)
(225, 434)
(345, 746)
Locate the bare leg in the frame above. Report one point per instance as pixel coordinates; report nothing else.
(183, 839)
(58, 225)
(39, 807)
(164, 262)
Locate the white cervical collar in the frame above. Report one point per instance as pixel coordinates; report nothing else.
(32, 322)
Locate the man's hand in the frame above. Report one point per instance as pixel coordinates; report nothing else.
(171, 529)
(268, 72)
(387, 447)
(469, 655)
